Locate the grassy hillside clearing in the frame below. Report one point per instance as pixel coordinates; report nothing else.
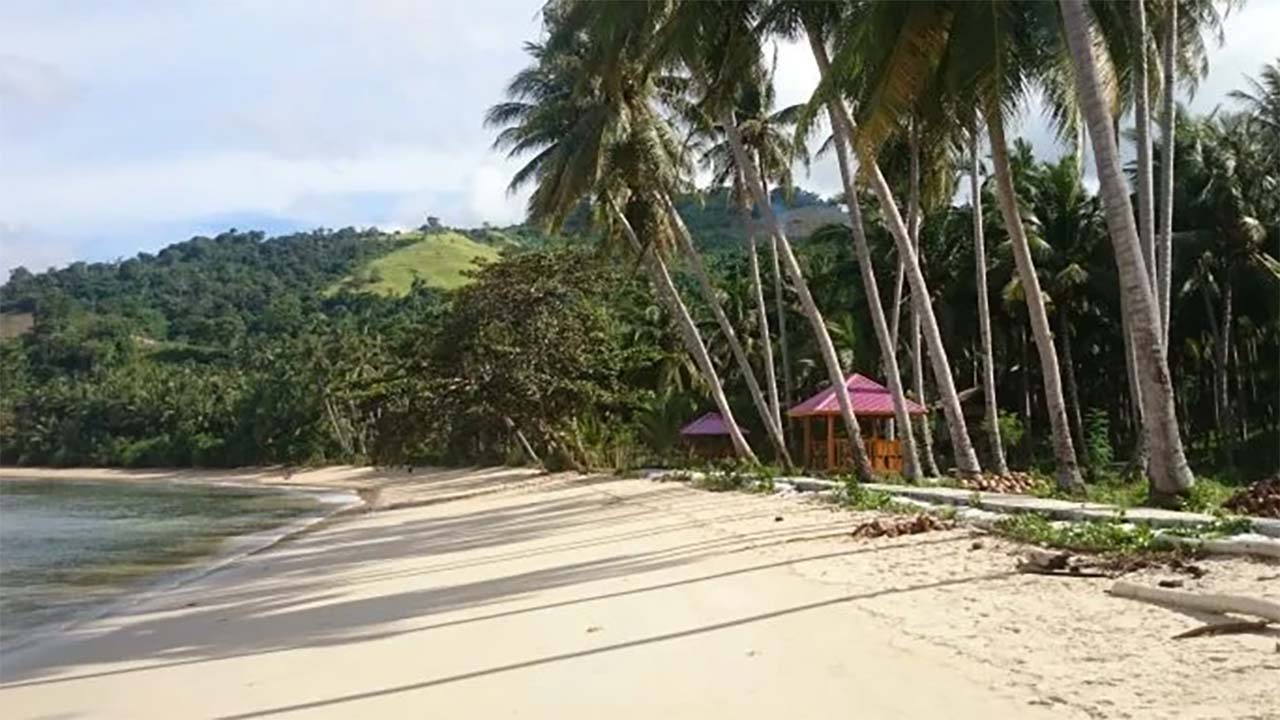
(439, 259)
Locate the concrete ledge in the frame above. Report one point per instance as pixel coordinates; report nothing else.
(1013, 504)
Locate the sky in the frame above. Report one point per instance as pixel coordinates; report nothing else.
(128, 125)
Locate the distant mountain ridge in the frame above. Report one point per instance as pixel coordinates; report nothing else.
(208, 290)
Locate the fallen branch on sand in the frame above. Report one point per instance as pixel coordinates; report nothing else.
(1213, 603)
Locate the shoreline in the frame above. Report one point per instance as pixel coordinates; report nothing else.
(505, 600)
(333, 502)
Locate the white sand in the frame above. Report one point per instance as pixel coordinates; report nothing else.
(499, 594)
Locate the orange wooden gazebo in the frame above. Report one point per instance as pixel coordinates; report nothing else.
(828, 447)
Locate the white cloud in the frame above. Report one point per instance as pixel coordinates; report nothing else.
(131, 124)
(33, 248)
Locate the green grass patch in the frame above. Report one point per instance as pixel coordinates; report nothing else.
(1101, 536)
(439, 259)
(1207, 495)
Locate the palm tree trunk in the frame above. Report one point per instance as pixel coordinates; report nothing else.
(861, 463)
(1168, 117)
(1168, 469)
(910, 460)
(670, 297)
(1073, 390)
(1211, 316)
(966, 458)
(1068, 472)
(780, 307)
(1242, 397)
(780, 302)
(1221, 378)
(1142, 132)
(772, 427)
(766, 340)
(1028, 410)
(917, 356)
(984, 314)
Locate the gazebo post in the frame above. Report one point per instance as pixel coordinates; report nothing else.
(808, 442)
(831, 442)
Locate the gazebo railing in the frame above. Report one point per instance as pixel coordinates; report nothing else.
(885, 455)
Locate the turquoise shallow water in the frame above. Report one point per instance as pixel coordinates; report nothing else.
(67, 546)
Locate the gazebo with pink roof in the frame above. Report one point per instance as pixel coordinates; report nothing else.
(708, 436)
(873, 405)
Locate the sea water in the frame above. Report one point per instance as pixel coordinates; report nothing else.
(67, 547)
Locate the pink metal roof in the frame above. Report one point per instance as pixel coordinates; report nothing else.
(869, 398)
(710, 424)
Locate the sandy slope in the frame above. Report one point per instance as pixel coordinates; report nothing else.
(559, 597)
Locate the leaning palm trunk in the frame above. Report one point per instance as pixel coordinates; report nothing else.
(670, 297)
(1164, 249)
(1068, 473)
(910, 461)
(1138, 456)
(1167, 466)
(1073, 389)
(780, 307)
(766, 341)
(772, 427)
(966, 458)
(1142, 133)
(917, 356)
(779, 299)
(984, 314)
(861, 464)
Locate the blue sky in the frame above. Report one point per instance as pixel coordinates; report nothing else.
(128, 125)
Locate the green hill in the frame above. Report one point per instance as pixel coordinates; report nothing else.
(440, 259)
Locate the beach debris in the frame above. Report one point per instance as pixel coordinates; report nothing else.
(593, 628)
(1044, 562)
(1204, 602)
(1174, 583)
(777, 518)
(1224, 628)
(1019, 483)
(1261, 499)
(977, 545)
(900, 525)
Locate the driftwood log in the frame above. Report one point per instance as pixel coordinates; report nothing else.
(1213, 603)
(1226, 628)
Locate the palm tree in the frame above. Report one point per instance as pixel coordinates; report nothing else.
(1168, 115)
(1184, 56)
(1168, 469)
(621, 60)
(1233, 183)
(767, 134)
(1068, 473)
(583, 144)
(845, 129)
(988, 52)
(1069, 223)
(888, 354)
(1262, 103)
(992, 410)
(1142, 137)
(718, 46)
(768, 412)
